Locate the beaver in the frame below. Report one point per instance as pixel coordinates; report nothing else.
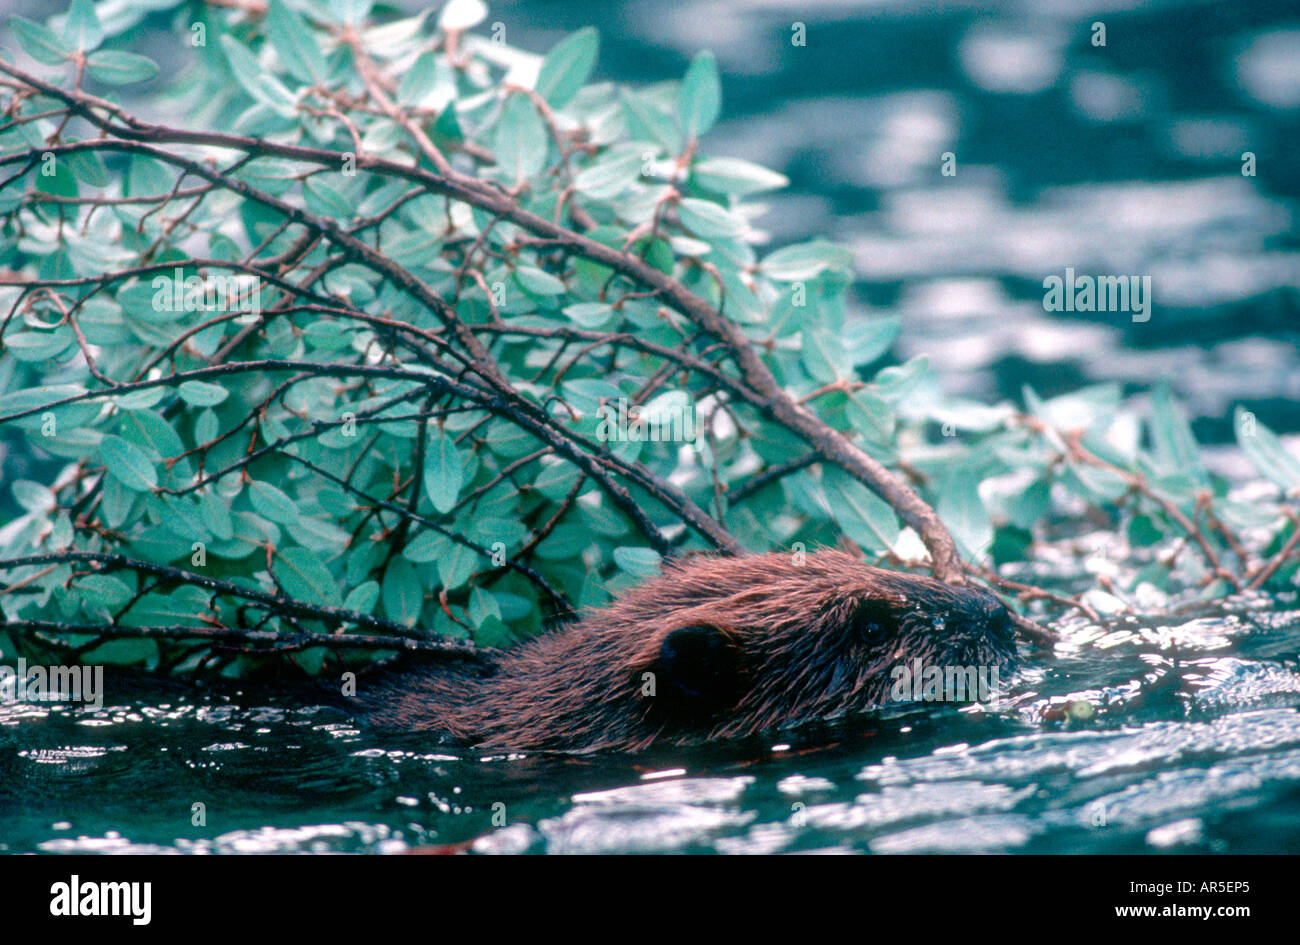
(712, 648)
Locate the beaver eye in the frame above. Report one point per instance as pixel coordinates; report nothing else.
(873, 621)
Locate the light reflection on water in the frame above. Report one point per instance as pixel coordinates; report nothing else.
(1192, 742)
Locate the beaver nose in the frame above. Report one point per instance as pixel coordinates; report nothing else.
(993, 614)
(1002, 627)
(990, 611)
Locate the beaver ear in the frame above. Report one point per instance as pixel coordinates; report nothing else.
(699, 671)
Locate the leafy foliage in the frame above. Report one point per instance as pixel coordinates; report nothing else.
(448, 259)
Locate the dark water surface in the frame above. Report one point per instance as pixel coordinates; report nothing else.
(1164, 732)
(1148, 736)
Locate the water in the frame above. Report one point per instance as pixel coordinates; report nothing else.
(1165, 732)
(1147, 735)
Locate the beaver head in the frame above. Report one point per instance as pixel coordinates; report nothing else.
(748, 645)
(714, 648)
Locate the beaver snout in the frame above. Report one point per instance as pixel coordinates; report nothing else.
(982, 612)
(973, 628)
(998, 619)
(1003, 629)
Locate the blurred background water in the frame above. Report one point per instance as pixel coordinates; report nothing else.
(1179, 733)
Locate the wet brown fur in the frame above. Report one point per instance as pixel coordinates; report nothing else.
(736, 646)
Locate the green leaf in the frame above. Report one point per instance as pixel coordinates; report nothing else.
(866, 341)
(443, 471)
(1032, 505)
(648, 123)
(125, 652)
(319, 535)
(1103, 485)
(425, 547)
(492, 633)
(117, 503)
(33, 496)
(128, 464)
(700, 99)
(215, 513)
(590, 315)
(311, 659)
(1171, 435)
(39, 42)
(256, 81)
(351, 12)
(555, 479)
(60, 183)
(202, 394)
(566, 543)
(602, 521)
(538, 282)
(206, 427)
(273, 503)
(403, 595)
(823, 355)
(293, 43)
(1266, 451)
(185, 605)
(147, 177)
(482, 605)
(363, 598)
(613, 174)
(304, 577)
(736, 177)
(488, 530)
(419, 80)
(157, 543)
(325, 200)
(82, 28)
(567, 66)
(149, 431)
(520, 143)
(270, 174)
(962, 510)
(104, 589)
(706, 219)
(448, 125)
(806, 260)
(88, 167)
(181, 515)
(1079, 409)
(114, 67)
(38, 346)
(1142, 531)
(864, 516)
(586, 393)
(456, 566)
(638, 562)
(896, 383)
